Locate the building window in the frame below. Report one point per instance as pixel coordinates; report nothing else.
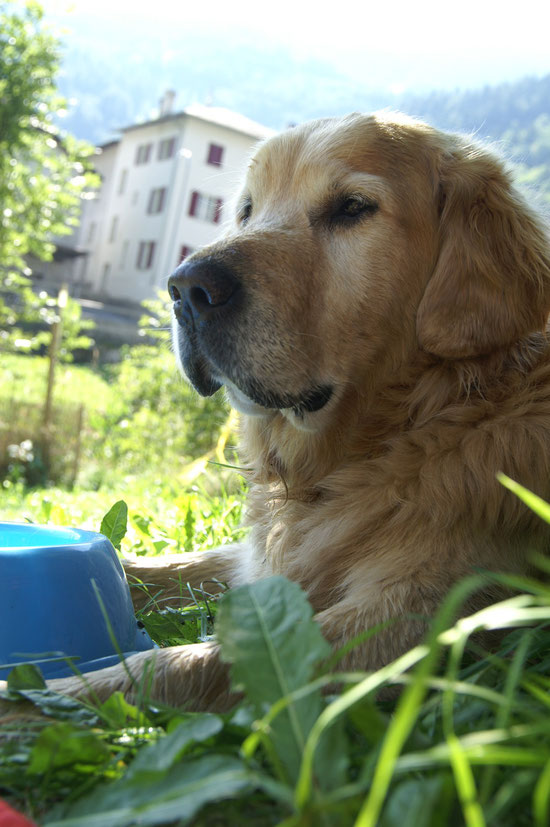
(135, 196)
(205, 207)
(184, 252)
(83, 268)
(156, 200)
(143, 153)
(146, 252)
(122, 182)
(91, 232)
(215, 155)
(105, 277)
(114, 225)
(123, 254)
(166, 149)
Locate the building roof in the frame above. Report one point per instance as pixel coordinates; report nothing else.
(212, 114)
(108, 144)
(229, 119)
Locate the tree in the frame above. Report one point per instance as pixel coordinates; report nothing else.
(43, 172)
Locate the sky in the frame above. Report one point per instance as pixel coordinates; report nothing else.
(392, 44)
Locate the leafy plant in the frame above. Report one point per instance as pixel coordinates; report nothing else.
(43, 172)
(467, 742)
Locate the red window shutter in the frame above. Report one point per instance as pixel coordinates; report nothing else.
(215, 155)
(194, 203)
(184, 252)
(218, 212)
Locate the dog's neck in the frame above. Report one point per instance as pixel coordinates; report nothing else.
(364, 424)
(278, 452)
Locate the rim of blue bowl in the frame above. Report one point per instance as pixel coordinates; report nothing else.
(44, 536)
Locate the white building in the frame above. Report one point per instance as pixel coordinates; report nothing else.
(165, 187)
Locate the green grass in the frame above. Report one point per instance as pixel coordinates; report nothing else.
(162, 517)
(139, 415)
(26, 377)
(468, 741)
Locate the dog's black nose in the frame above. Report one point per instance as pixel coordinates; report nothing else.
(202, 287)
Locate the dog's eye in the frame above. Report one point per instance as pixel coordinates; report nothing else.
(352, 208)
(245, 212)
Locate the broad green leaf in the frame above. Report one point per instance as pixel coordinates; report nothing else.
(115, 523)
(170, 627)
(119, 713)
(267, 633)
(63, 745)
(59, 706)
(173, 796)
(26, 676)
(165, 752)
(142, 522)
(424, 801)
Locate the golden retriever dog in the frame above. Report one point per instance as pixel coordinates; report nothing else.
(376, 311)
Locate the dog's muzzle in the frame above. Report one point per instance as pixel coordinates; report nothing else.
(202, 290)
(207, 298)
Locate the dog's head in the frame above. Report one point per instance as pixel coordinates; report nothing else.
(357, 243)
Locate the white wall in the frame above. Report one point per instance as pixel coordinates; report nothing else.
(111, 270)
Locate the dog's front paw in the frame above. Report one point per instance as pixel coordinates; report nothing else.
(192, 676)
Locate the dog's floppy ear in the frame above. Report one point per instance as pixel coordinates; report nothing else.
(491, 282)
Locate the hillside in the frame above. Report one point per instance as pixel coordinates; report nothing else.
(115, 81)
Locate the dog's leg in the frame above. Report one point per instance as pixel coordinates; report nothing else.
(195, 677)
(191, 676)
(163, 580)
(398, 622)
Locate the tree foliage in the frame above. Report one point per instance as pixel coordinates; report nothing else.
(514, 115)
(43, 172)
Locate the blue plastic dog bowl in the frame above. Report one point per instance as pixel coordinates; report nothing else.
(50, 579)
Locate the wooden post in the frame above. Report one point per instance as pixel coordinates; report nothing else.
(78, 446)
(54, 347)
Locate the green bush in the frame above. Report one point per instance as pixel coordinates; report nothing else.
(156, 418)
(141, 417)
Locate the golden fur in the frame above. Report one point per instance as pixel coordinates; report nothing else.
(425, 316)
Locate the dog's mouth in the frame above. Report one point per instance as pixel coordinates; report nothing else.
(246, 393)
(309, 401)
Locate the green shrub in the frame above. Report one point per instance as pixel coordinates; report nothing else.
(156, 418)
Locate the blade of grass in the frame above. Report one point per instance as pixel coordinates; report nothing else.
(462, 771)
(535, 503)
(407, 709)
(504, 712)
(541, 798)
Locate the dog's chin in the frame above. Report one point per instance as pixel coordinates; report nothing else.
(242, 403)
(300, 411)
